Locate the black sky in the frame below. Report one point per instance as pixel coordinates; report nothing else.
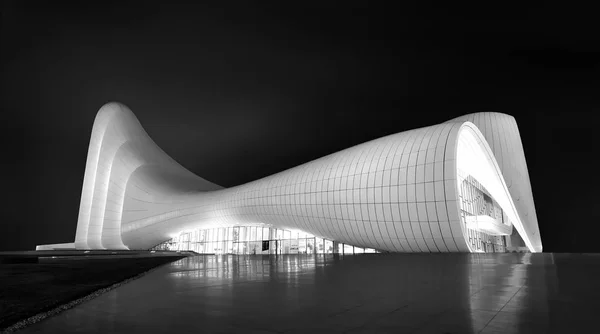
(242, 91)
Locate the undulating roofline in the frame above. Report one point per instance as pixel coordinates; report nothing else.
(399, 193)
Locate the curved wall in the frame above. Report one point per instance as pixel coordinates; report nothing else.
(502, 134)
(118, 147)
(396, 193)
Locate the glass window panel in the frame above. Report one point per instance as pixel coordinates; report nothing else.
(293, 246)
(247, 233)
(320, 246)
(259, 235)
(236, 234)
(285, 247)
(310, 245)
(302, 246)
(328, 246)
(258, 247)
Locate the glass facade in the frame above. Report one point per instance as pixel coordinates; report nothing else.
(475, 200)
(252, 240)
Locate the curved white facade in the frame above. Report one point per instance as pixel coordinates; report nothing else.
(399, 193)
(502, 135)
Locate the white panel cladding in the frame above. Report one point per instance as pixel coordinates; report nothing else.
(502, 134)
(396, 193)
(118, 146)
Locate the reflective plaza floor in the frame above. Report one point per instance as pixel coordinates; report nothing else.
(369, 293)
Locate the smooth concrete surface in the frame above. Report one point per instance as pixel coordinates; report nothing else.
(370, 293)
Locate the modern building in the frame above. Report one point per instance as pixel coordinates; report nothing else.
(459, 186)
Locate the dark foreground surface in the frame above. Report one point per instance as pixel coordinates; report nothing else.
(30, 287)
(371, 293)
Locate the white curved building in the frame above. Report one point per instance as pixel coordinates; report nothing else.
(459, 186)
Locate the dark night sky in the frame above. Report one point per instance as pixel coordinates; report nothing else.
(244, 91)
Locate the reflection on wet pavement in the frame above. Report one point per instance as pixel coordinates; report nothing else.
(395, 293)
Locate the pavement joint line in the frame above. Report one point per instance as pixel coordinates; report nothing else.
(500, 310)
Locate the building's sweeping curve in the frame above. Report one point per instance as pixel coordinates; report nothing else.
(424, 190)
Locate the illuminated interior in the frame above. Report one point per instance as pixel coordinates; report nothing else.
(487, 211)
(256, 240)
